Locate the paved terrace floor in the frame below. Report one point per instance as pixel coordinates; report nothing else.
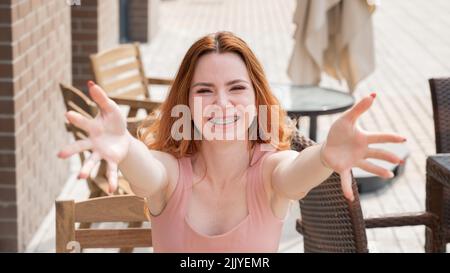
(411, 46)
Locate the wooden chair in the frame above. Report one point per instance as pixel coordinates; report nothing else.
(330, 223)
(126, 208)
(76, 100)
(120, 72)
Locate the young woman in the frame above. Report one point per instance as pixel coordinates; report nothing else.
(223, 191)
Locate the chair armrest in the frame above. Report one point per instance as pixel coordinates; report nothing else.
(133, 124)
(399, 220)
(438, 168)
(137, 103)
(159, 81)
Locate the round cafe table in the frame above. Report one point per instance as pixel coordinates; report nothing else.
(311, 101)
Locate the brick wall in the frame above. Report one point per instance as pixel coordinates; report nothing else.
(34, 57)
(143, 19)
(95, 27)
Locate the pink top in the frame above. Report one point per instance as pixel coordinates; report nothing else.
(260, 231)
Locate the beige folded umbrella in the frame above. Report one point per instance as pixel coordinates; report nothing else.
(334, 36)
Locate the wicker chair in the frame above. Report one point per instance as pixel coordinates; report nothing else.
(330, 223)
(440, 97)
(438, 172)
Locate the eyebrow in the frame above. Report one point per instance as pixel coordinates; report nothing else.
(212, 85)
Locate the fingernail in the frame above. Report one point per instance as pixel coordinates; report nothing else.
(90, 84)
(373, 95)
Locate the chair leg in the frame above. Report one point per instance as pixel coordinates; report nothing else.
(433, 241)
(131, 225)
(434, 234)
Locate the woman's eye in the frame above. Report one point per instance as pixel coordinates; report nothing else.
(238, 88)
(202, 91)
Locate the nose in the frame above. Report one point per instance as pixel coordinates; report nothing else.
(222, 99)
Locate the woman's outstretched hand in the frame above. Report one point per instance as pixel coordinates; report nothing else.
(108, 137)
(347, 146)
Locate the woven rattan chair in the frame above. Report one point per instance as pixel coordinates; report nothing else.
(330, 223)
(440, 97)
(438, 170)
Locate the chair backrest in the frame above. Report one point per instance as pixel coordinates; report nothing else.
(123, 208)
(330, 223)
(120, 72)
(440, 96)
(76, 100)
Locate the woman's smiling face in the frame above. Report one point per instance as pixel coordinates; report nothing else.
(221, 97)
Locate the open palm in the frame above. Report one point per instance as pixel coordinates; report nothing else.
(347, 146)
(108, 137)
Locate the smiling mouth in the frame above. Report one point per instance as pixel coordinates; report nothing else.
(224, 120)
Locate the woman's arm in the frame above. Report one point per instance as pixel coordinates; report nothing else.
(346, 146)
(147, 170)
(297, 173)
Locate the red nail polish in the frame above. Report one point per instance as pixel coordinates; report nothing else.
(373, 95)
(90, 84)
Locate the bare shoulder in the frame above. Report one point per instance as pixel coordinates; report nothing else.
(170, 164)
(270, 164)
(169, 161)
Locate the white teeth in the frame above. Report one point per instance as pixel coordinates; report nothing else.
(221, 121)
